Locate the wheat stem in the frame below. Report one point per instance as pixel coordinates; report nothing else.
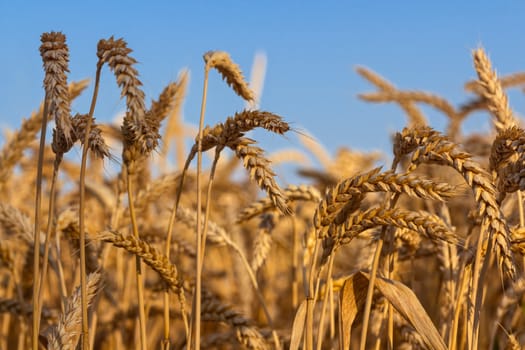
(198, 276)
(38, 204)
(325, 298)
(81, 220)
(139, 271)
(43, 274)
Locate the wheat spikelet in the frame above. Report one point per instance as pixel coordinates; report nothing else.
(96, 144)
(149, 255)
(508, 303)
(260, 171)
(230, 72)
(213, 309)
(66, 334)
(507, 143)
(414, 114)
(55, 57)
(507, 81)
(507, 160)
(292, 192)
(437, 149)
(493, 92)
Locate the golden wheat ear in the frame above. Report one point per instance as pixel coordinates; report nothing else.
(492, 91)
(55, 55)
(230, 72)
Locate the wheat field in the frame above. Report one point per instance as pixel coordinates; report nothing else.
(136, 242)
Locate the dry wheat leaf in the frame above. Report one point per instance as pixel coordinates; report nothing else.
(298, 326)
(352, 299)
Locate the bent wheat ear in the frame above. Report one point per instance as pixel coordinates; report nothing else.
(423, 223)
(415, 117)
(344, 198)
(140, 131)
(260, 171)
(149, 255)
(230, 72)
(247, 334)
(224, 134)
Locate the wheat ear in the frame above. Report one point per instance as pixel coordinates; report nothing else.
(345, 197)
(292, 193)
(423, 223)
(65, 335)
(247, 334)
(174, 127)
(230, 72)
(412, 96)
(498, 103)
(260, 171)
(415, 116)
(149, 255)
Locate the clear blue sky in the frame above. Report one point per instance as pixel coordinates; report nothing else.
(312, 50)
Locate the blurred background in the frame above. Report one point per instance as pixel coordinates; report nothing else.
(311, 50)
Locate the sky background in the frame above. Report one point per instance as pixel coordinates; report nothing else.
(312, 50)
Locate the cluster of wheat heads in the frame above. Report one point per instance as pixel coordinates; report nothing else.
(120, 252)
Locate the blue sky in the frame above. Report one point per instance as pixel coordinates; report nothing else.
(312, 50)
